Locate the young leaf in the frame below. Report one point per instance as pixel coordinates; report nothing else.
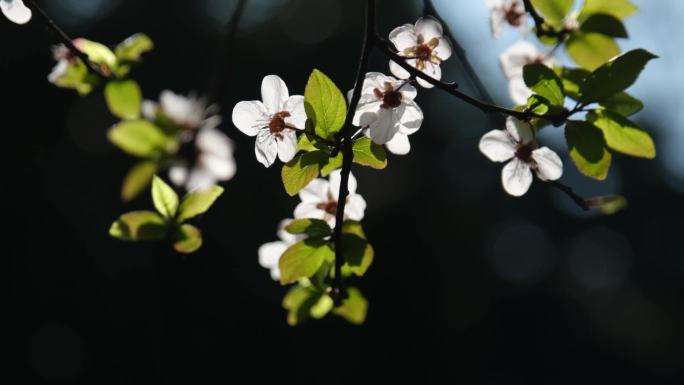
(590, 50)
(623, 135)
(164, 198)
(572, 79)
(124, 98)
(137, 179)
(139, 138)
(133, 47)
(139, 226)
(332, 165)
(554, 11)
(608, 205)
(354, 308)
(298, 303)
(620, 9)
(543, 81)
(325, 105)
(322, 307)
(587, 149)
(303, 259)
(622, 103)
(367, 153)
(198, 202)
(615, 76)
(97, 53)
(314, 228)
(188, 239)
(604, 24)
(358, 253)
(353, 227)
(301, 170)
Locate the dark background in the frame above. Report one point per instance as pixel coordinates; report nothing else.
(469, 285)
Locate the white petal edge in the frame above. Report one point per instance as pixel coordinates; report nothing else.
(516, 177)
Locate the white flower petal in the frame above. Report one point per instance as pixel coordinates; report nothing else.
(411, 118)
(16, 11)
(200, 179)
(399, 145)
(285, 236)
(58, 70)
(178, 173)
(383, 128)
(250, 116)
(266, 148)
(269, 256)
(429, 28)
(315, 192)
(519, 130)
(516, 177)
(295, 106)
(222, 168)
(497, 145)
(335, 180)
(149, 109)
(408, 91)
(443, 50)
(309, 210)
(516, 56)
(355, 208)
(404, 37)
(496, 23)
(274, 93)
(287, 145)
(215, 142)
(518, 91)
(182, 110)
(432, 70)
(549, 164)
(399, 71)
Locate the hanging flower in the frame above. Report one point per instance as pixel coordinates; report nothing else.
(387, 108)
(502, 12)
(270, 253)
(16, 11)
(424, 46)
(274, 121)
(517, 145)
(512, 62)
(319, 200)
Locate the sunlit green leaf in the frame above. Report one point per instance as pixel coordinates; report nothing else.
(314, 228)
(137, 179)
(325, 105)
(322, 307)
(303, 259)
(139, 138)
(587, 148)
(591, 50)
(198, 202)
(614, 76)
(604, 24)
(367, 153)
(608, 205)
(75, 76)
(139, 226)
(333, 164)
(572, 79)
(354, 308)
(164, 198)
(97, 53)
(620, 9)
(623, 135)
(298, 302)
(134, 47)
(543, 81)
(188, 239)
(553, 11)
(622, 103)
(124, 98)
(301, 170)
(358, 253)
(353, 227)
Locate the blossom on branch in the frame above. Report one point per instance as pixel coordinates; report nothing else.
(274, 121)
(424, 46)
(270, 253)
(502, 12)
(518, 146)
(512, 62)
(387, 108)
(16, 11)
(319, 200)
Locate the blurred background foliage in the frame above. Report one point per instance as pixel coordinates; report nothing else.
(469, 284)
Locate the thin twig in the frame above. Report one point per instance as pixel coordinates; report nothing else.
(338, 293)
(581, 202)
(66, 40)
(540, 24)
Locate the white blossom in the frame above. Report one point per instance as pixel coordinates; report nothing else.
(16, 11)
(517, 146)
(504, 12)
(319, 200)
(270, 253)
(512, 62)
(424, 44)
(386, 109)
(273, 121)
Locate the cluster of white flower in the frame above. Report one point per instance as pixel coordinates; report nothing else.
(16, 11)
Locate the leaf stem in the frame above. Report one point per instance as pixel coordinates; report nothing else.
(581, 202)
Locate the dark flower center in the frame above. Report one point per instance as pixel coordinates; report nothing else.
(329, 207)
(391, 98)
(277, 123)
(524, 152)
(423, 52)
(513, 14)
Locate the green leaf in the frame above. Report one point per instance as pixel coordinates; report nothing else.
(543, 81)
(322, 307)
(124, 98)
(306, 143)
(554, 11)
(614, 76)
(591, 50)
(303, 259)
(604, 24)
(354, 308)
(332, 165)
(76, 76)
(572, 80)
(608, 205)
(164, 198)
(97, 53)
(353, 227)
(198, 202)
(301, 170)
(367, 153)
(587, 149)
(314, 228)
(620, 9)
(325, 105)
(139, 226)
(358, 253)
(139, 138)
(298, 302)
(134, 47)
(188, 239)
(623, 135)
(137, 179)
(623, 103)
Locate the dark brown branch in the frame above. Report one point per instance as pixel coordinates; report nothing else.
(540, 24)
(338, 292)
(581, 202)
(65, 39)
